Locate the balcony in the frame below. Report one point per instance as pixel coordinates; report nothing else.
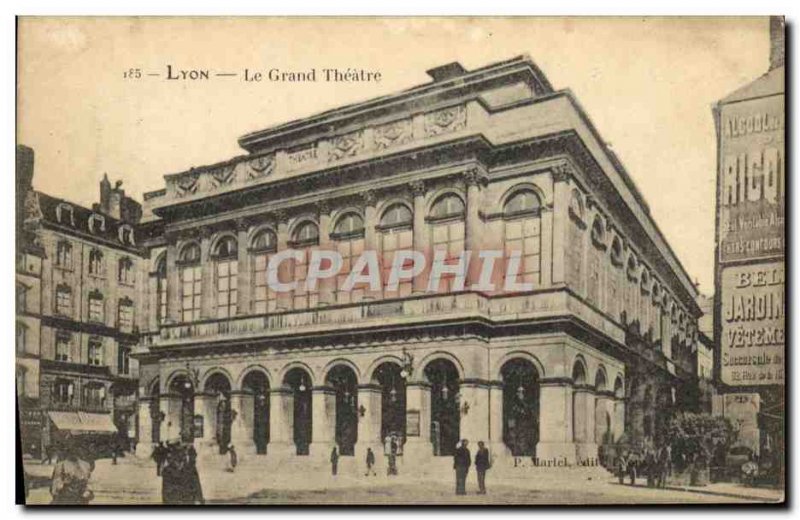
(415, 310)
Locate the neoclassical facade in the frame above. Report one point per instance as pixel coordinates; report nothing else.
(489, 159)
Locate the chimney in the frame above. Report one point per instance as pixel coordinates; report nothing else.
(445, 72)
(777, 43)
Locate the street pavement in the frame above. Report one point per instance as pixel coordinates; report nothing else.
(133, 481)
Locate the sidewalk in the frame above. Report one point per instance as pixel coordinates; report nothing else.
(722, 489)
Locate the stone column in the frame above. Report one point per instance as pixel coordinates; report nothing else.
(144, 437)
(242, 425)
(474, 409)
(555, 422)
(207, 267)
(472, 224)
(618, 423)
(370, 236)
(418, 447)
(326, 286)
(603, 408)
(583, 415)
(369, 425)
(244, 271)
(562, 173)
(173, 284)
(205, 405)
(420, 234)
(323, 422)
(281, 422)
(497, 447)
(170, 406)
(283, 299)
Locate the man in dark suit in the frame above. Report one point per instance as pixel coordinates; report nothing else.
(461, 462)
(481, 465)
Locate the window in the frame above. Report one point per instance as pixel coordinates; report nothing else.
(227, 270)
(22, 337)
(448, 234)
(523, 234)
(305, 239)
(161, 290)
(63, 391)
(124, 360)
(21, 381)
(264, 244)
(95, 353)
(125, 271)
(125, 314)
(349, 236)
(396, 235)
(96, 262)
(64, 255)
(96, 307)
(63, 347)
(94, 395)
(22, 298)
(191, 283)
(64, 300)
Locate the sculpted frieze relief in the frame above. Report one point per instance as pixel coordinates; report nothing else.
(446, 120)
(346, 145)
(393, 134)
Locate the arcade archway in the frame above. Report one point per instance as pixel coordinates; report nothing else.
(520, 407)
(256, 384)
(219, 386)
(299, 381)
(393, 399)
(344, 382)
(182, 387)
(443, 376)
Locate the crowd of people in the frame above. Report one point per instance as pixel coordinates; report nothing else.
(176, 464)
(654, 464)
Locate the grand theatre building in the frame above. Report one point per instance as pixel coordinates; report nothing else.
(596, 351)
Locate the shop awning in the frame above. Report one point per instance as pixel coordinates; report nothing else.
(83, 422)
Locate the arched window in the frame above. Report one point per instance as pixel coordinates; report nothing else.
(95, 352)
(96, 262)
(595, 263)
(125, 271)
(305, 238)
(125, 314)
(614, 277)
(96, 307)
(161, 290)
(263, 245)
(396, 234)
(63, 300)
(64, 254)
(22, 337)
(349, 236)
(63, 350)
(191, 282)
(522, 234)
(226, 276)
(447, 233)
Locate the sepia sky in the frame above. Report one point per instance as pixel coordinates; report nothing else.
(647, 84)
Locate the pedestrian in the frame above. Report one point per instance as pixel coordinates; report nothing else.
(392, 471)
(174, 486)
(334, 461)
(114, 448)
(622, 466)
(159, 455)
(70, 480)
(461, 463)
(370, 463)
(650, 467)
(195, 488)
(233, 458)
(666, 464)
(482, 464)
(633, 461)
(48, 454)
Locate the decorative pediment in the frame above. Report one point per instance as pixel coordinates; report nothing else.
(261, 166)
(186, 184)
(393, 134)
(346, 145)
(446, 120)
